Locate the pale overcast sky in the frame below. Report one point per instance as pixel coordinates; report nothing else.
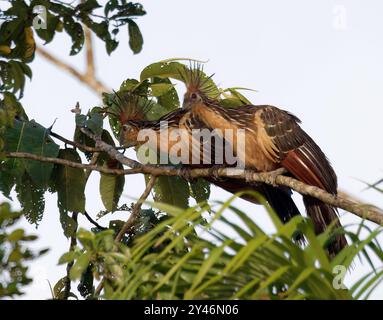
(321, 60)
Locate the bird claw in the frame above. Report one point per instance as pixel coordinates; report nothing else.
(213, 172)
(272, 177)
(271, 180)
(248, 177)
(185, 173)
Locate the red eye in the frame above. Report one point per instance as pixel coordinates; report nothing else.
(193, 96)
(125, 128)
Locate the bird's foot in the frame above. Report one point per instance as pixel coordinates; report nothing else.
(272, 176)
(213, 172)
(186, 174)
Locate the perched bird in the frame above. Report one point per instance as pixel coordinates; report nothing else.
(131, 117)
(273, 139)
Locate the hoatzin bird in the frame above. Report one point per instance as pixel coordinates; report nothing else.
(273, 139)
(279, 198)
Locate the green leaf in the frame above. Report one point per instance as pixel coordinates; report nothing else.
(172, 190)
(169, 99)
(135, 37)
(59, 287)
(80, 120)
(79, 266)
(18, 76)
(200, 190)
(10, 170)
(156, 111)
(31, 137)
(111, 188)
(85, 286)
(16, 235)
(126, 85)
(110, 45)
(230, 102)
(86, 238)
(234, 92)
(31, 199)
(26, 69)
(68, 224)
(10, 108)
(69, 183)
(163, 70)
(10, 30)
(88, 6)
(206, 266)
(75, 31)
(95, 122)
(67, 257)
(176, 70)
(159, 89)
(48, 33)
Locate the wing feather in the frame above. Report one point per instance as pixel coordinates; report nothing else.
(302, 157)
(296, 151)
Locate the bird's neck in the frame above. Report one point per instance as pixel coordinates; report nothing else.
(212, 115)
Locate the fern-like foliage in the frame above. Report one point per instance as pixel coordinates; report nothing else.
(192, 255)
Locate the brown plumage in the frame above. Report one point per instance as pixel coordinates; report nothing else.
(274, 139)
(278, 198)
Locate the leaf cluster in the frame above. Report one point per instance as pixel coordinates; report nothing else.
(22, 21)
(14, 253)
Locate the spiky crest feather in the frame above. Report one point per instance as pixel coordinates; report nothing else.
(197, 81)
(129, 107)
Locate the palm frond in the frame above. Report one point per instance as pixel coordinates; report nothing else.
(174, 262)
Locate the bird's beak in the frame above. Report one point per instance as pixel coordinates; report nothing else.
(128, 144)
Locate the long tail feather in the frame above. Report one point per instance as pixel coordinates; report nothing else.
(279, 198)
(309, 164)
(322, 216)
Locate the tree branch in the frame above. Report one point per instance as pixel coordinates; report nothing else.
(67, 163)
(90, 69)
(365, 211)
(89, 80)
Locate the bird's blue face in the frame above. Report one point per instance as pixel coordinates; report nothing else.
(128, 135)
(191, 98)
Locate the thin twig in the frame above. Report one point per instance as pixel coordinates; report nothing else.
(77, 145)
(80, 146)
(92, 221)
